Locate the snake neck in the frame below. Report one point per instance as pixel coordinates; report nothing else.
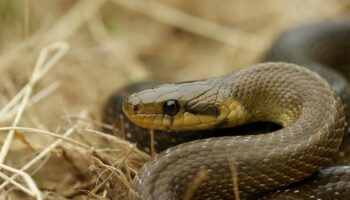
(261, 99)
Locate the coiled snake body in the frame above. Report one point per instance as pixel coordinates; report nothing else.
(300, 101)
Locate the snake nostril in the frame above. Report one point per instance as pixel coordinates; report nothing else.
(135, 108)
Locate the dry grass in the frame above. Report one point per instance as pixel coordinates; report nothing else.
(84, 50)
(195, 184)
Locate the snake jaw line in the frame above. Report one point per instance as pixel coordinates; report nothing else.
(197, 109)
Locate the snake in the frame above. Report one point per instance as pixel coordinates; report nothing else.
(303, 156)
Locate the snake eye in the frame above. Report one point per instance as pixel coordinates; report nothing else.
(171, 107)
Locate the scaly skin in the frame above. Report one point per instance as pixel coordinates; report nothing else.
(302, 102)
(323, 47)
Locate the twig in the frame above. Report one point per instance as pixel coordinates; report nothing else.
(196, 25)
(39, 71)
(56, 135)
(41, 155)
(99, 186)
(97, 123)
(13, 101)
(40, 165)
(44, 92)
(101, 134)
(6, 114)
(33, 189)
(16, 184)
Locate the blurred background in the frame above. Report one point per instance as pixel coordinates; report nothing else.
(116, 42)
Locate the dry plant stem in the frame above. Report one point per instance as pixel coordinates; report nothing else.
(101, 134)
(22, 138)
(97, 123)
(104, 195)
(13, 101)
(113, 171)
(9, 85)
(56, 135)
(128, 172)
(44, 92)
(40, 165)
(35, 99)
(194, 185)
(13, 104)
(234, 179)
(64, 28)
(123, 144)
(16, 184)
(40, 69)
(120, 176)
(153, 149)
(33, 189)
(197, 25)
(79, 189)
(35, 121)
(41, 155)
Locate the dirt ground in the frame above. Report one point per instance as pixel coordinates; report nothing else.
(61, 59)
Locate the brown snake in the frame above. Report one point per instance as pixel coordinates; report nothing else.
(304, 105)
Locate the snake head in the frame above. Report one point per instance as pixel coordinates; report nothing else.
(184, 106)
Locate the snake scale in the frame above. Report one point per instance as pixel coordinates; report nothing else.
(282, 160)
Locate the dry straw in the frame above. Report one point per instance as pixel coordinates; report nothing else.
(20, 101)
(252, 37)
(40, 69)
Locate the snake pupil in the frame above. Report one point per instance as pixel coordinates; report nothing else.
(171, 107)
